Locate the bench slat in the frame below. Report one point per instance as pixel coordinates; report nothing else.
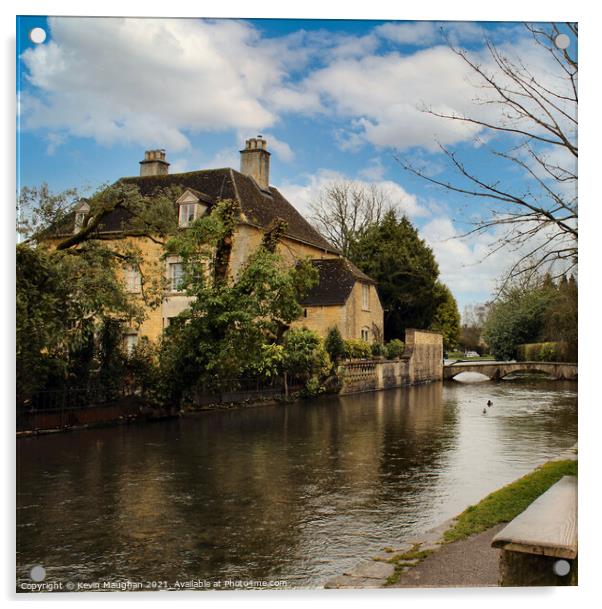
(548, 526)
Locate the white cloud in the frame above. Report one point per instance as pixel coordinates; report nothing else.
(280, 148)
(420, 33)
(150, 80)
(383, 93)
(154, 82)
(472, 265)
(425, 33)
(302, 195)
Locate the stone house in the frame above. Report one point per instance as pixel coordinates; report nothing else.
(345, 297)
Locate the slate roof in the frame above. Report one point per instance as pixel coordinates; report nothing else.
(337, 278)
(259, 207)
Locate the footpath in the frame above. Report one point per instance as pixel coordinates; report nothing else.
(428, 561)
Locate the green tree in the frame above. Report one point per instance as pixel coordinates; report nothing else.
(517, 317)
(223, 333)
(447, 317)
(561, 317)
(305, 358)
(334, 345)
(392, 253)
(62, 299)
(68, 282)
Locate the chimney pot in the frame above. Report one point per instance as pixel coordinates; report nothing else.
(255, 161)
(154, 163)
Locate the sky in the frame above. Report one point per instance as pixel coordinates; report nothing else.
(335, 99)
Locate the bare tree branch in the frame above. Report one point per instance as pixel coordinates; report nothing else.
(536, 217)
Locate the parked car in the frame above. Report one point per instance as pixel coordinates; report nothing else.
(471, 354)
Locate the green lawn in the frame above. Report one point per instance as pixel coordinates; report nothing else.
(508, 502)
(459, 355)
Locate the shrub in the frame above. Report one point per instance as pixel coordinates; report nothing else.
(142, 366)
(304, 355)
(357, 349)
(334, 345)
(394, 348)
(543, 352)
(377, 349)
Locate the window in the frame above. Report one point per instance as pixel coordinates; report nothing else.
(131, 340)
(79, 221)
(365, 333)
(82, 209)
(133, 281)
(188, 213)
(176, 276)
(365, 297)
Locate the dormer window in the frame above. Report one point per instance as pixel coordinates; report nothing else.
(192, 205)
(188, 213)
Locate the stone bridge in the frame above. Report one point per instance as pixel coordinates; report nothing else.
(498, 370)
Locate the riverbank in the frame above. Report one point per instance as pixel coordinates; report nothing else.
(458, 552)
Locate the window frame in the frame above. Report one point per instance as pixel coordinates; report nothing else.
(131, 340)
(173, 276)
(188, 213)
(133, 280)
(365, 297)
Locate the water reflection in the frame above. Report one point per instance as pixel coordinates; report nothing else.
(294, 492)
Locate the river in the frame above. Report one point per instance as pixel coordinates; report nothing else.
(295, 492)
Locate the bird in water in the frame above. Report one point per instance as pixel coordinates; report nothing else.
(484, 410)
(489, 403)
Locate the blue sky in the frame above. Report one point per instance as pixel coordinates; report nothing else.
(335, 100)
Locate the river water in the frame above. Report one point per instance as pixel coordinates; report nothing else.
(297, 492)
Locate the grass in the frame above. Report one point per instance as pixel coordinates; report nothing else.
(508, 502)
(415, 553)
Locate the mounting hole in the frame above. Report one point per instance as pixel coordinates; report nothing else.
(562, 567)
(562, 41)
(37, 35)
(37, 573)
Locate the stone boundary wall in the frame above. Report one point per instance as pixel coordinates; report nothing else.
(421, 362)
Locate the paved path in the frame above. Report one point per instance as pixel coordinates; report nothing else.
(469, 562)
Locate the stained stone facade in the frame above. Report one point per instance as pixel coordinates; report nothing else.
(345, 298)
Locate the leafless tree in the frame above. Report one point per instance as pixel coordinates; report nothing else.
(536, 217)
(345, 209)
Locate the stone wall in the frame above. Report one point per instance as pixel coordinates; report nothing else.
(349, 318)
(421, 362)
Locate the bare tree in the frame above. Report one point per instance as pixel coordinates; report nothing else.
(345, 209)
(536, 219)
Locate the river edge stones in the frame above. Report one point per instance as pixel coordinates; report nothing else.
(376, 572)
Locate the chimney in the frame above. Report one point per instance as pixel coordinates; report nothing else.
(255, 161)
(154, 163)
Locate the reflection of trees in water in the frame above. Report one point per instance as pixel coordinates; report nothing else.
(98, 497)
(417, 441)
(244, 493)
(210, 495)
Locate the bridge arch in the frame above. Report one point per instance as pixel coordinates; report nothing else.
(499, 370)
(479, 377)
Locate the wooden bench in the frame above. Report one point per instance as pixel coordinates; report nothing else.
(540, 536)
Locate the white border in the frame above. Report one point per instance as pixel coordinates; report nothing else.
(589, 280)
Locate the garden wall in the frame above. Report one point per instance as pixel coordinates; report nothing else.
(421, 362)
